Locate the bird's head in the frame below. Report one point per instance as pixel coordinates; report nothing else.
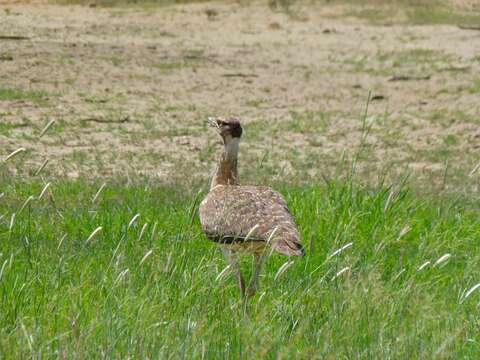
(228, 128)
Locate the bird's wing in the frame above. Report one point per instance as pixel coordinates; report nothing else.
(233, 213)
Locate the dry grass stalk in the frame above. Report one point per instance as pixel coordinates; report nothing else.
(144, 227)
(92, 235)
(12, 154)
(338, 251)
(45, 188)
(134, 219)
(442, 259)
(39, 170)
(424, 265)
(45, 129)
(345, 269)
(24, 205)
(469, 292)
(97, 194)
(145, 257)
(283, 268)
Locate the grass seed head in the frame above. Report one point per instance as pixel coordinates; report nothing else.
(223, 273)
(12, 222)
(344, 270)
(424, 265)
(45, 129)
(144, 227)
(24, 205)
(45, 188)
(97, 194)
(92, 235)
(469, 292)
(283, 268)
(442, 259)
(130, 224)
(145, 257)
(39, 170)
(12, 154)
(338, 251)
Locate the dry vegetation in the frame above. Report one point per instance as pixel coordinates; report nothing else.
(129, 87)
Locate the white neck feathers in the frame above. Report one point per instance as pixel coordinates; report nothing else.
(231, 148)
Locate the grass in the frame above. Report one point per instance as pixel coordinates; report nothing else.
(36, 96)
(144, 286)
(424, 12)
(475, 87)
(377, 12)
(309, 121)
(191, 58)
(120, 3)
(417, 60)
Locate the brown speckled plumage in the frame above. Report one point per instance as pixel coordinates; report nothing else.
(245, 218)
(230, 212)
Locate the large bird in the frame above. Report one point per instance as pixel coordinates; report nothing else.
(242, 218)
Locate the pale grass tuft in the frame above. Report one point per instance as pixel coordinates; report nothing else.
(29, 199)
(262, 295)
(391, 194)
(45, 188)
(469, 292)
(474, 170)
(144, 227)
(39, 170)
(145, 257)
(61, 241)
(404, 232)
(130, 224)
(154, 232)
(169, 262)
(398, 275)
(345, 269)
(27, 336)
(120, 277)
(45, 129)
(338, 251)
(92, 235)
(12, 222)
(12, 154)
(283, 268)
(2, 195)
(442, 259)
(270, 237)
(223, 273)
(424, 265)
(250, 233)
(97, 194)
(3, 269)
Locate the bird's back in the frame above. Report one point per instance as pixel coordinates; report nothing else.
(229, 212)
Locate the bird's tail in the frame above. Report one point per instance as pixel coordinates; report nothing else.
(288, 244)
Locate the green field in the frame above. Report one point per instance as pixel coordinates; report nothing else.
(145, 286)
(101, 250)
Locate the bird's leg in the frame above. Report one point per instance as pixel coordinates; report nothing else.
(233, 260)
(258, 260)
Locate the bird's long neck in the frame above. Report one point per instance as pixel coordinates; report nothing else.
(226, 171)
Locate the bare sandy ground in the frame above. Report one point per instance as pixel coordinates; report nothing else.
(130, 89)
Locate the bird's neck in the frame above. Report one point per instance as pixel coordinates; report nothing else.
(226, 171)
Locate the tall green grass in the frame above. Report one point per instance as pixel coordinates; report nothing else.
(144, 286)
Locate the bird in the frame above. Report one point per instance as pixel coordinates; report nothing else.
(245, 219)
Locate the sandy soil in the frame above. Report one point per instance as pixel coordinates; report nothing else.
(130, 89)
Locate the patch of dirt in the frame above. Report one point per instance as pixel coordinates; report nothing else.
(149, 77)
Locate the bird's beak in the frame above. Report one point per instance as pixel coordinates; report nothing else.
(212, 121)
